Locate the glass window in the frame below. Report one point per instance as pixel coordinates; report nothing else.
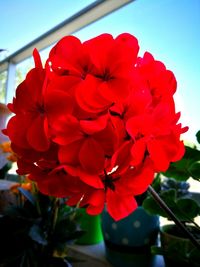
(3, 78)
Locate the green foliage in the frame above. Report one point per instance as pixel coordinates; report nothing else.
(182, 205)
(178, 251)
(4, 170)
(198, 136)
(173, 189)
(188, 166)
(37, 233)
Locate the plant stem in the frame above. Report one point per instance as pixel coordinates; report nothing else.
(55, 214)
(169, 212)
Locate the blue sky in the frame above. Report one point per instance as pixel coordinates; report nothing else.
(169, 29)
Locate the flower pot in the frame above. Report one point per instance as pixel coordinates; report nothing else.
(92, 227)
(178, 249)
(128, 241)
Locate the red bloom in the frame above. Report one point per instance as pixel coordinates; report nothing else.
(97, 123)
(100, 65)
(153, 75)
(120, 184)
(112, 70)
(157, 136)
(29, 127)
(86, 147)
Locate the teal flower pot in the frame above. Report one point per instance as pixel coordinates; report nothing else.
(128, 241)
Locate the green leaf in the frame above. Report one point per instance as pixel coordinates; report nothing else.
(157, 183)
(194, 170)
(194, 256)
(198, 136)
(188, 209)
(152, 207)
(37, 234)
(169, 196)
(180, 170)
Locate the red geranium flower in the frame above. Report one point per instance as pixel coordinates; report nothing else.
(157, 135)
(96, 123)
(29, 127)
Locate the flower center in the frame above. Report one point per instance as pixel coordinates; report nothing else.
(109, 181)
(106, 75)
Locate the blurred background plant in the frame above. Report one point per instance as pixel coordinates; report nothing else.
(8, 157)
(173, 187)
(36, 231)
(5, 150)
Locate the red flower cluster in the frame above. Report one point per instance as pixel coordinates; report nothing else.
(96, 123)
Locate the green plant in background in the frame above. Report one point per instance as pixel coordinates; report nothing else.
(177, 197)
(36, 232)
(188, 166)
(173, 188)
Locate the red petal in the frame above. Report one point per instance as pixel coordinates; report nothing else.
(93, 126)
(25, 167)
(36, 134)
(121, 158)
(138, 179)
(99, 49)
(17, 128)
(66, 130)
(96, 202)
(89, 179)
(138, 151)
(141, 124)
(115, 89)
(158, 155)
(127, 47)
(66, 54)
(58, 104)
(69, 154)
(91, 156)
(34, 83)
(88, 96)
(120, 206)
(37, 59)
(65, 84)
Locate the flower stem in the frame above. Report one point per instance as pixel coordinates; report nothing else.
(172, 216)
(55, 214)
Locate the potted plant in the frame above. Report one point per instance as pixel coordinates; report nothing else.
(96, 123)
(35, 232)
(128, 241)
(175, 244)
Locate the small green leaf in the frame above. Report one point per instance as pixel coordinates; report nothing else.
(198, 136)
(180, 170)
(168, 196)
(194, 256)
(152, 207)
(187, 209)
(194, 170)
